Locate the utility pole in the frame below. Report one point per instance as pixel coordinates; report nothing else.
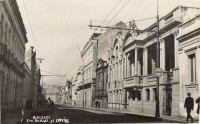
(157, 113)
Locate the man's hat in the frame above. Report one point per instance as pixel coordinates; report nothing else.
(188, 93)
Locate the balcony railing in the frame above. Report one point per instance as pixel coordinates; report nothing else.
(134, 81)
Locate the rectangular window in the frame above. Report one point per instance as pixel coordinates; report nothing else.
(192, 67)
(147, 94)
(154, 94)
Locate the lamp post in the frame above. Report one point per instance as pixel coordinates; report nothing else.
(157, 113)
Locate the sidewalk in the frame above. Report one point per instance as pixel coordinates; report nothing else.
(164, 118)
(15, 116)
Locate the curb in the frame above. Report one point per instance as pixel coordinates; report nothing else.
(160, 119)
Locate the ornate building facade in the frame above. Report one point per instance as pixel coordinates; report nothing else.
(178, 50)
(12, 52)
(101, 94)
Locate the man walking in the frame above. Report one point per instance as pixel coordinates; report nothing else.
(198, 104)
(51, 105)
(189, 105)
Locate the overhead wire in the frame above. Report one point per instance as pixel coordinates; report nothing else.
(49, 72)
(34, 39)
(77, 61)
(118, 12)
(110, 12)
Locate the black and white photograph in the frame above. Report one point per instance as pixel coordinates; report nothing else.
(99, 61)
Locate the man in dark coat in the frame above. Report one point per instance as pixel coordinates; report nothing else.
(189, 105)
(198, 102)
(51, 105)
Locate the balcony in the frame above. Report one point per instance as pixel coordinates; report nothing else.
(135, 81)
(163, 79)
(3, 50)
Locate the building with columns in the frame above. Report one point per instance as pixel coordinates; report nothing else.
(179, 45)
(106, 51)
(116, 91)
(12, 53)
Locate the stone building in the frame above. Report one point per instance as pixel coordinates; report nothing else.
(74, 90)
(79, 84)
(179, 45)
(105, 50)
(69, 92)
(188, 71)
(101, 94)
(12, 53)
(27, 87)
(116, 92)
(89, 57)
(35, 88)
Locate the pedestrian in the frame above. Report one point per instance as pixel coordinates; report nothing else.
(99, 102)
(96, 103)
(189, 105)
(51, 105)
(198, 102)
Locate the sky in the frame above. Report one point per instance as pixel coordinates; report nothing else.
(57, 27)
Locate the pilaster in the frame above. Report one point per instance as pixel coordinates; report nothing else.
(198, 68)
(162, 54)
(176, 42)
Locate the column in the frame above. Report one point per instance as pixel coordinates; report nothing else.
(162, 54)
(132, 65)
(128, 66)
(136, 61)
(145, 60)
(176, 49)
(125, 66)
(139, 68)
(198, 67)
(181, 75)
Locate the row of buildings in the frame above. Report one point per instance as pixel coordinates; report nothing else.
(119, 66)
(19, 71)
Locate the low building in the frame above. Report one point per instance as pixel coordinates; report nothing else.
(79, 96)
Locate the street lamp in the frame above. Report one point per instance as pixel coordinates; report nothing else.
(157, 113)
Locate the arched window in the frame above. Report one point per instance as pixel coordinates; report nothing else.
(116, 51)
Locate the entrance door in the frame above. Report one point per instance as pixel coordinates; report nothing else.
(167, 100)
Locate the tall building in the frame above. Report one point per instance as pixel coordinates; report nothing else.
(89, 56)
(110, 52)
(35, 88)
(12, 53)
(188, 71)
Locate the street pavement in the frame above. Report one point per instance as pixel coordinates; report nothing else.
(64, 114)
